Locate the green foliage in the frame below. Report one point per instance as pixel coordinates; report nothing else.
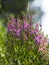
(2, 42)
(16, 51)
(23, 52)
(2, 31)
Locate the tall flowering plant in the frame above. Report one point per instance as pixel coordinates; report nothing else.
(25, 45)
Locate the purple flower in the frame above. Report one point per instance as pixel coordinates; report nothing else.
(32, 32)
(10, 27)
(16, 27)
(36, 31)
(18, 24)
(37, 40)
(18, 31)
(15, 30)
(26, 26)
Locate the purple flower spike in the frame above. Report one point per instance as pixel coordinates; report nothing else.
(26, 26)
(26, 30)
(37, 40)
(36, 31)
(18, 24)
(32, 32)
(18, 31)
(10, 27)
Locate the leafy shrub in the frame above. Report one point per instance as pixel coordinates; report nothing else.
(25, 43)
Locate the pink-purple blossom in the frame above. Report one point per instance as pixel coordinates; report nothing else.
(25, 29)
(26, 26)
(39, 38)
(32, 32)
(18, 31)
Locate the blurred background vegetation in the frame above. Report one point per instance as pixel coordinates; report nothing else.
(13, 6)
